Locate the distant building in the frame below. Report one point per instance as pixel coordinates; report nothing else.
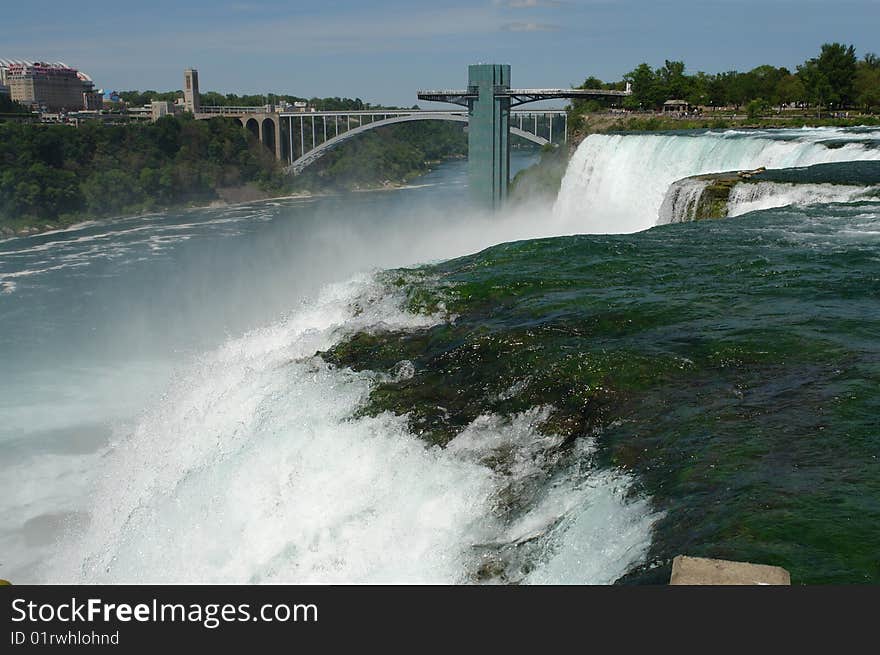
(160, 108)
(4, 90)
(53, 86)
(675, 106)
(191, 90)
(92, 100)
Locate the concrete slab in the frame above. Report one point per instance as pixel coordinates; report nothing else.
(702, 571)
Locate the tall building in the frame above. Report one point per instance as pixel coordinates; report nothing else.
(191, 90)
(54, 86)
(160, 108)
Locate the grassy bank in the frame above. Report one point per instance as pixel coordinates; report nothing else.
(602, 122)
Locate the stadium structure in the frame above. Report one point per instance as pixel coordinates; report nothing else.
(49, 86)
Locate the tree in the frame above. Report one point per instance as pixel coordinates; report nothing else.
(757, 108)
(699, 89)
(739, 88)
(790, 89)
(867, 82)
(673, 80)
(593, 83)
(717, 89)
(833, 73)
(816, 85)
(867, 87)
(9, 106)
(644, 87)
(765, 81)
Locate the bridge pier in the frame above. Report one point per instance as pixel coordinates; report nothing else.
(489, 134)
(266, 128)
(489, 100)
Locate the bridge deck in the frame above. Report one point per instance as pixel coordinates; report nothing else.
(408, 112)
(521, 95)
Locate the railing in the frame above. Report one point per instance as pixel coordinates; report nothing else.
(221, 110)
(307, 131)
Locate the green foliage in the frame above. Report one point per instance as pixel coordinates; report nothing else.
(833, 78)
(56, 173)
(8, 106)
(829, 79)
(212, 98)
(757, 108)
(541, 180)
(138, 99)
(646, 92)
(866, 84)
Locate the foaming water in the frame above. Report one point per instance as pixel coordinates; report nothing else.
(617, 183)
(681, 201)
(746, 198)
(253, 469)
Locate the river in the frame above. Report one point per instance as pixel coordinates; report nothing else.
(262, 394)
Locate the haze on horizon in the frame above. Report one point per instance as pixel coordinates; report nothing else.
(383, 51)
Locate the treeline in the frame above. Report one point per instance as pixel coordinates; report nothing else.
(835, 79)
(57, 174)
(8, 106)
(387, 154)
(212, 98)
(54, 175)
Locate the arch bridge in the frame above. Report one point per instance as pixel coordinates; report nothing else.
(301, 138)
(310, 135)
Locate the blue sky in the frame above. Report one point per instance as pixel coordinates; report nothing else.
(384, 50)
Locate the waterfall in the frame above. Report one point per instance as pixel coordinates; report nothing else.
(617, 183)
(681, 202)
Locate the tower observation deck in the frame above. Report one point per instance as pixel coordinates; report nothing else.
(489, 99)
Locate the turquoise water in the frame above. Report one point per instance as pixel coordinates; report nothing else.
(389, 387)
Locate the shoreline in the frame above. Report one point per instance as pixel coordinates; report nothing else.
(91, 222)
(217, 203)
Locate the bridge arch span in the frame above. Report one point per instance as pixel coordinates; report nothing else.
(253, 126)
(269, 133)
(315, 154)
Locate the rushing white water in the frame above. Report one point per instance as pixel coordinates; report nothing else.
(252, 469)
(683, 198)
(617, 183)
(681, 201)
(745, 198)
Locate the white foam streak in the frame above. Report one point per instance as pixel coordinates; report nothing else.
(253, 469)
(745, 198)
(681, 201)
